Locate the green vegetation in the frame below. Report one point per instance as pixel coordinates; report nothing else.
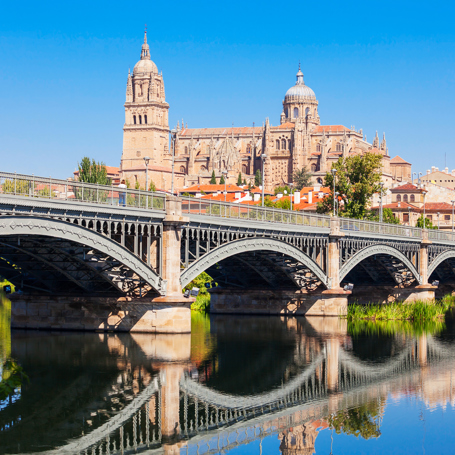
(363, 421)
(14, 186)
(239, 179)
(92, 172)
(387, 216)
(258, 178)
(213, 179)
(366, 327)
(203, 344)
(222, 181)
(428, 223)
(282, 189)
(202, 302)
(284, 204)
(416, 311)
(301, 178)
(357, 179)
(13, 377)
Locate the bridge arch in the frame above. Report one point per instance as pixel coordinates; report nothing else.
(22, 228)
(247, 245)
(446, 255)
(374, 250)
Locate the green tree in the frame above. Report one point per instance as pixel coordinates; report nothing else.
(387, 216)
(222, 181)
(258, 178)
(244, 181)
(239, 180)
(213, 179)
(282, 189)
(301, 178)
(428, 223)
(92, 172)
(152, 186)
(357, 179)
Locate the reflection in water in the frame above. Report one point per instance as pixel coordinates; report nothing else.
(293, 385)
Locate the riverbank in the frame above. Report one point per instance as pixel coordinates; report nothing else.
(399, 311)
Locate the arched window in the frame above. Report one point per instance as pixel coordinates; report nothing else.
(186, 149)
(182, 169)
(412, 198)
(283, 144)
(203, 169)
(248, 148)
(145, 119)
(278, 144)
(134, 119)
(315, 113)
(314, 167)
(318, 147)
(244, 169)
(307, 111)
(398, 197)
(289, 144)
(338, 147)
(405, 198)
(140, 120)
(286, 111)
(320, 181)
(296, 112)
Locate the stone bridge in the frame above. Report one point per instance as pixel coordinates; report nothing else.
(81, 261)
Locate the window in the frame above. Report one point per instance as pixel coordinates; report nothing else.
(405, 198)
(338, 147)
(412, 198)
(405, 216)
(314, 168)
(182, 169)
(248, 148)
(447, 217)
(244, 169)
(140, 120)
(278, 144)
(289, 144)
(318, 147)
(296, 112)
(315, 113)
(134, 119)
(430, 217)
(307, 111)
(186, 149)
(398, 197)
(145, 119)
(283, 144)
(320, 181)
(286, 112)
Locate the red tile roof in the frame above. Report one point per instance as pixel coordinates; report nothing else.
(247, 130)
(406, 187)
(398, 160)
(402, 206)
(211, 188)
(330, 129)
(438, 206)
(285, 125)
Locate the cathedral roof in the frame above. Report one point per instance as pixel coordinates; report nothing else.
(145, 66)
(220, 131)
(330, 129)
(398, 160)
(300, 91)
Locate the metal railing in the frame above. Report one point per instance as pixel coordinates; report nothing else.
(198, 206)
(372, 227)
(443, 236)
(68, 190)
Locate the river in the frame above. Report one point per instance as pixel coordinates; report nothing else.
(236, 385)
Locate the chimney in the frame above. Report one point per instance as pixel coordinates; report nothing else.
(310, 197)
(432, 168)
(446, 170)
(428, 171)
(297, 197)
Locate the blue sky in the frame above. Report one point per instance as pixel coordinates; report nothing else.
(386, 66)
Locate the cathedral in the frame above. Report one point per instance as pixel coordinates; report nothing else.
(298, 141)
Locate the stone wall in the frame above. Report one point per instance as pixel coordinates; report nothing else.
(103, 314)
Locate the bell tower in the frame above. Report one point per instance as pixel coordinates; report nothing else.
(146, 128)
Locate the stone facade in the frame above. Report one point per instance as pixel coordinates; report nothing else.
(299, 140)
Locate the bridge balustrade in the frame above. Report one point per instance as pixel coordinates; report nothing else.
(72, 191)
(349, 224)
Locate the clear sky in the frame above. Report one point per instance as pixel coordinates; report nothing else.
(379, 65)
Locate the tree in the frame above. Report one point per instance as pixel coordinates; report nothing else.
(428, 223)
(258, 178)
(92, 172)
(282, 189)
(387, 216)
(213, 179)
(239, 180)
(222, 181)
(301, 178)
(244, 181)
(357, 179)
(152, 186)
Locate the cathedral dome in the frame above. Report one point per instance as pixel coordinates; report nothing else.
(145, 66)
(299, 91)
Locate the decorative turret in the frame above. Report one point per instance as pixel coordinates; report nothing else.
(376, 141)
(383, 143)
(129, 89)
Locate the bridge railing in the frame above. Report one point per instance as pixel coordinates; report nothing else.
(443, 236)
(198, 206)
(68, 190)
(352, 225)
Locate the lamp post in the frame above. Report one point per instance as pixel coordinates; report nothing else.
(334, 174)
(173, 137)
(147, 161)
(438, 220)
(263, 157)
(225, 173)
(414, 173)
(453, 202)
(409, 216)
(338, 202)
(424, 194)
(420, 174)
(381, 184)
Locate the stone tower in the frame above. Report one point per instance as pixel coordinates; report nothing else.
(146, 128)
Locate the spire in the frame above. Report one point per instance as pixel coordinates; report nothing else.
(376, 141)
(145, 53)
(129, 89)
(300, 77)
(383, 143)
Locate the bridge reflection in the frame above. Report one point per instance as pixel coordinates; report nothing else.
(111, 393)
